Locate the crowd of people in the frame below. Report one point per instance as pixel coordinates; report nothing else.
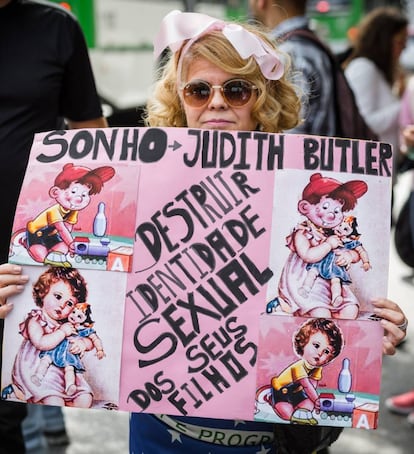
(207, 82)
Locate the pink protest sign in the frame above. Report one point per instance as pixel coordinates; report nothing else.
(185, 241)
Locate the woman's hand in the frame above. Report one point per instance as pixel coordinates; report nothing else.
(393, 321)
(12, 282)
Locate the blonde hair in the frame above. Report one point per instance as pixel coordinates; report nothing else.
(276, 108)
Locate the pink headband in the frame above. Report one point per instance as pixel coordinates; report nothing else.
(177, 27)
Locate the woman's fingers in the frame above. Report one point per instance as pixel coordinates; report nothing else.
(393, 321)
(12, 282)
(5, 309)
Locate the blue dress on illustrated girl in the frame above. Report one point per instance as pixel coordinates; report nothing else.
(60, 356)
(327, 267)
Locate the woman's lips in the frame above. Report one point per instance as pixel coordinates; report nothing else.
(217, 122)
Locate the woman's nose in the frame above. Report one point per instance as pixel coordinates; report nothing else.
(217, 99)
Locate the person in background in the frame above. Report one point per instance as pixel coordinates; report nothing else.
(312, 67)
(407, 109)
(403, 403)
(46, 83)
(214, 82)
(374, 73)
(47, 420)
(406, 120)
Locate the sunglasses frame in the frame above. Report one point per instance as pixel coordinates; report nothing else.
(211, 88)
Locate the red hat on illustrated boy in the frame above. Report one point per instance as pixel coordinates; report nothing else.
(319, 186)
(92, 177)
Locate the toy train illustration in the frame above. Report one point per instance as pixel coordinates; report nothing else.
(88, 252)
(332, 408)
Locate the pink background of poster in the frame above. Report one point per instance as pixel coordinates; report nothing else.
(216, 333)
(246, 313)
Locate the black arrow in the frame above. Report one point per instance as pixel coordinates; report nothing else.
(175, 145)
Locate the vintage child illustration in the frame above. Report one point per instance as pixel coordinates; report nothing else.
(294, 391)
(328, 268)
(315, 280)
(54, 361)
(319, 380)
(61, 355)
(49, 235)
(76, 230)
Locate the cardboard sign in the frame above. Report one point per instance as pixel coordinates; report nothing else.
(196, 248)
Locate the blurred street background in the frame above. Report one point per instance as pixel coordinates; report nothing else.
(120, 33)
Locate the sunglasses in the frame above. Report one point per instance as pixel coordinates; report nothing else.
(236, 92)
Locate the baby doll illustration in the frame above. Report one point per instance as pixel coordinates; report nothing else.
(61, 356)
(328, 269)
(48, 236)
(293, 395)
(324, 203)
(56, 292)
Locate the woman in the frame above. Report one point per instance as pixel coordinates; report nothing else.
(373, 71)
(224, 76)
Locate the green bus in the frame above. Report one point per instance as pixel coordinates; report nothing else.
(84, 11)
(332, 19)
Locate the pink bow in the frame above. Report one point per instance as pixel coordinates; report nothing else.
(177, 27)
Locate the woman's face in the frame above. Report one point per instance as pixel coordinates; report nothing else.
(59, 301)
(216, 113)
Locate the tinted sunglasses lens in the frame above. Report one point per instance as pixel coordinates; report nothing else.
(196, 94)
(237, 92)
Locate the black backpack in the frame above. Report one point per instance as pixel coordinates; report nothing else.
(349, 121)
(402, 235)
(302, 439)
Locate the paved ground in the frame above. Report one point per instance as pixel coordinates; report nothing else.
(106, 432)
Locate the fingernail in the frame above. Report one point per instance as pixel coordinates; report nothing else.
(19, 287)
(17, 269)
